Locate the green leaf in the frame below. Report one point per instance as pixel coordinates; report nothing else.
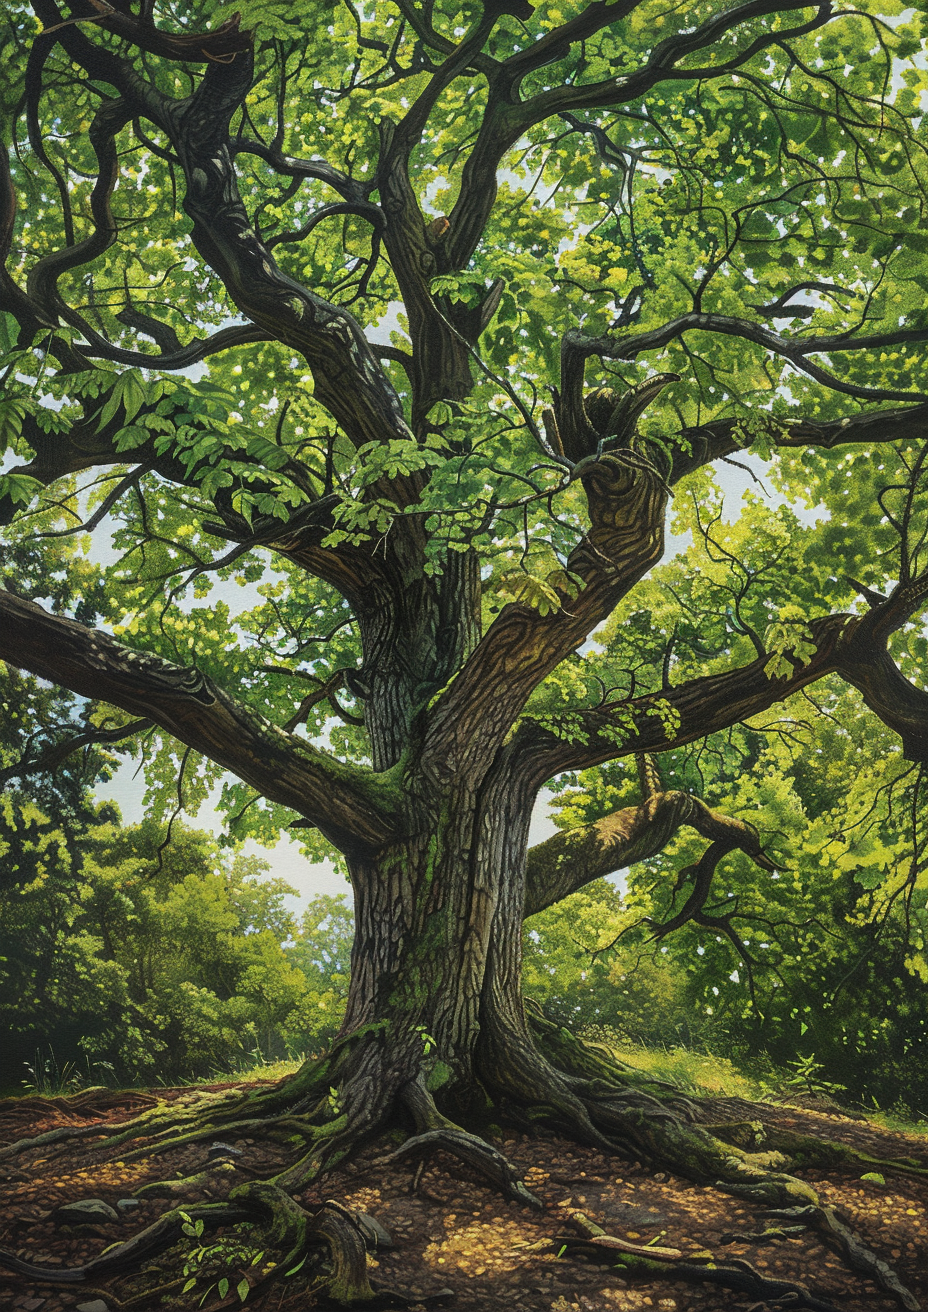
(128, 391)
(20, 488)
(132, 436)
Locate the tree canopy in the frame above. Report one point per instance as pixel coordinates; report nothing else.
(722, 203)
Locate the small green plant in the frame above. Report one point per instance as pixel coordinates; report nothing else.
(47, 1078)
(807, 1079)
(217, 1263)
(428, 1043)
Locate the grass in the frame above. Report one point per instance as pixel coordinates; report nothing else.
(47, 1079)
(262, 1070)
(898, 1122)
(717, 1077)
(698, 1072)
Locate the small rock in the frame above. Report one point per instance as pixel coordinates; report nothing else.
(222, 1150)
(31, 1304)
(85, 1211)
(128, 1204)
(95, 1305)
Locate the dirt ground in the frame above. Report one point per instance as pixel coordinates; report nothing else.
(451, 1231)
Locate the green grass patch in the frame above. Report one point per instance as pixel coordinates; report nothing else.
(697, 1072)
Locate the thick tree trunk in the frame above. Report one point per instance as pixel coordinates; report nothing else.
(436, 964)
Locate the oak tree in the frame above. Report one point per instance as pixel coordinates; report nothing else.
(413, 323)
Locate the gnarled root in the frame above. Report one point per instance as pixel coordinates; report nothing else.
(670, 1262)
(806, 1150)
(335, 1238)
(651, 1121)
(436, 1133)
(168, 1125)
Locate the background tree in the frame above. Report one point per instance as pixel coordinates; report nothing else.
(822, 957)
(719, 214)
(135, 955)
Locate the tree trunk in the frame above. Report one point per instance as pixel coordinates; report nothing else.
(436, 962)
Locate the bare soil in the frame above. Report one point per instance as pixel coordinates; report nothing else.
(452, 1231)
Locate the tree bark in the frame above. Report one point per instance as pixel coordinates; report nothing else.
(436, 962)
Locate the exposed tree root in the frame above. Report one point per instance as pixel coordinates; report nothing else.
(167, 1126)
(668, 1262)
(334, 1236)
(826, 1221)
(806, 1150)
(436, 1133)
(334, 1105)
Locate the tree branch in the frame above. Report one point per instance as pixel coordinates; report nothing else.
(356, 193)
(573, 858)
(661, 66)
(53, 757)
(795, 350)
(851, 646)
(627, 499)
(695, 447)
(223, 43)
(351, 805)
(179, 358)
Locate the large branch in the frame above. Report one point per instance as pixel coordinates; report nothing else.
(440, 361)
(697, 708)
(221, 43)
(627, 501)
(440, 330)
(350, 805)
(695, 447)
(796, 350)
(555, 45)
(692, 448)
(200, 348)
(353, 571)
(866, 663)
(349, 380)
(575, 857)
(852, 646)
(354, 192)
